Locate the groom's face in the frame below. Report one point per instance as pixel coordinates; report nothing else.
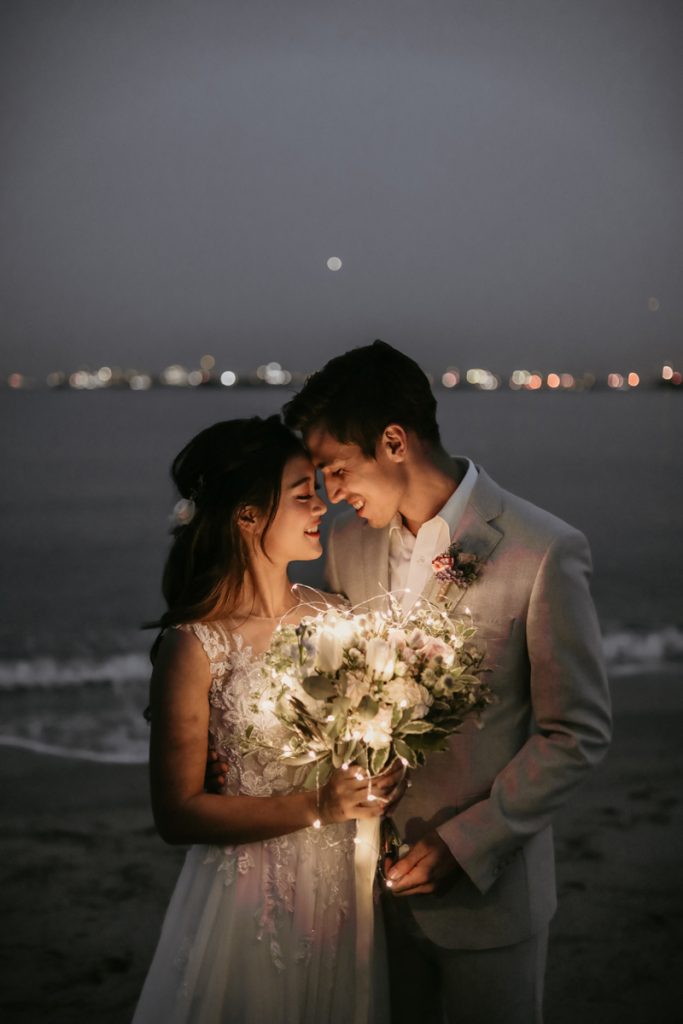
(373, 487)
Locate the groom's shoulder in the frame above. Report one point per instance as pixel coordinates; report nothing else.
(520, 515)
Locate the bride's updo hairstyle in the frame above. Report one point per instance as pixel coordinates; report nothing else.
(230, 465)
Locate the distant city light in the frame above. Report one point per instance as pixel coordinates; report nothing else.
(334, 263)
(272, 373)
(175, 376)
(519, 379)
(482, 379)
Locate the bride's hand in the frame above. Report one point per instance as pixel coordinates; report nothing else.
(349, 794)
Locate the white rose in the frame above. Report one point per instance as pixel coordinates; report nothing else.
(409, 694)
(378, 730)
(356, 688)
(329, 653)
(380, 658)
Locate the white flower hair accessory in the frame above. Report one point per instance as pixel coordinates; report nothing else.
(183, 512)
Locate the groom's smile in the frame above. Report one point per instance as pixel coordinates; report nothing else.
(371, 486)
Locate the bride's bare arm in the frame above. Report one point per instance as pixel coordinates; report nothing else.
(183, 811)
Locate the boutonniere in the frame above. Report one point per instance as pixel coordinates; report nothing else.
(457, 566)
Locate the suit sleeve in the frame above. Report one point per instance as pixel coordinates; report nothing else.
(571, 719)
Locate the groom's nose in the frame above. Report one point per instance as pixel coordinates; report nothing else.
(334, 490)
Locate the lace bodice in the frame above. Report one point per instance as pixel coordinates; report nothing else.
(238, 710)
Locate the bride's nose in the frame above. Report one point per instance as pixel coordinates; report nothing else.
(319, 506)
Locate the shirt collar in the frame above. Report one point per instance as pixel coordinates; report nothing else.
(452, 512)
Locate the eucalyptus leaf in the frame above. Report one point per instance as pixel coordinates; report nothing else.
(319, 687)
(367, 708)
(407, 753)
(318, 774)
(379, 759)
(414, 728)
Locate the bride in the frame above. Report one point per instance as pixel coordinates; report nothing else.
(262, 923)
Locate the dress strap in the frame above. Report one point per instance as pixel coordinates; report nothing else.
(213, 636)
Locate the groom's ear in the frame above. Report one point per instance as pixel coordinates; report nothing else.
(394, 442)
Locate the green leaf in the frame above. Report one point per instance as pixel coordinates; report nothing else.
(414, 728)
(298, 760)
(318, 775)
(379, 759)
(319, 687)
(368, 707)
(340, 705)
(407, 753)
(332, 729)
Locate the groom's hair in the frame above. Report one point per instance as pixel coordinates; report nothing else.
(358, 394)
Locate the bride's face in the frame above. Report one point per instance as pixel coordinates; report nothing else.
(294, 534)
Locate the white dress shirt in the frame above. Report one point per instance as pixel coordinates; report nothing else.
(410, 557)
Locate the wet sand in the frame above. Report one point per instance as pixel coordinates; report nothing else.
(85, 881)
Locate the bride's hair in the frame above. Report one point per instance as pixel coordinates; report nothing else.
(228, 466)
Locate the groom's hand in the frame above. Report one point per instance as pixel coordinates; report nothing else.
(428, 867)
(214, 777)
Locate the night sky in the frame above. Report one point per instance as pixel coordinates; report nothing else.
(502, 181)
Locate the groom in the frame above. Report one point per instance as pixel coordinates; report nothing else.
(467, 914)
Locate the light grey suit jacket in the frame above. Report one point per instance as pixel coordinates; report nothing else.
(493, 793)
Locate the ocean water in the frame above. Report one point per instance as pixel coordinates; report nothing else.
(84, 508)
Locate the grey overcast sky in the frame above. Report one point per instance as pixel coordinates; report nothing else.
(502, 181)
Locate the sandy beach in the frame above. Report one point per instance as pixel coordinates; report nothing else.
(85, 881)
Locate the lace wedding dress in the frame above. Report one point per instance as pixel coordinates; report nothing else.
(265, 932)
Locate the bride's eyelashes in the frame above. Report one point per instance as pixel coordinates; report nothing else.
(308, 497)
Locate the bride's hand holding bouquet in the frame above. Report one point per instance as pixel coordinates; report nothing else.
(360, 692)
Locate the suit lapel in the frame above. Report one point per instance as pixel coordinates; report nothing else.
(475, 533)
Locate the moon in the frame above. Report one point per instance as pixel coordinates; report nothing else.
(334, 263)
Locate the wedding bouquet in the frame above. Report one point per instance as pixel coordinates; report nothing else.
(363, 688)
